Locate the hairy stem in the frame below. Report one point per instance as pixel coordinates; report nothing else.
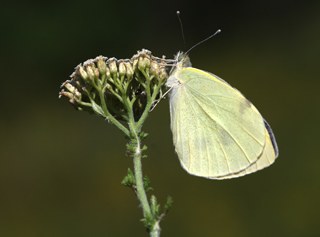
(155, 232)
(141, 192)
(135, 129)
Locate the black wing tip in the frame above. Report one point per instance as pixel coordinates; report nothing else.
(272, 137)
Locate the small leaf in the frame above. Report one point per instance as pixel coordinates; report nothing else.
(144, 148)
(143, 135)
(148, 221)
(155, 207)
(129, 179)
(168, 204)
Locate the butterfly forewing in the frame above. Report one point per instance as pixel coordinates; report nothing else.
(217, 132)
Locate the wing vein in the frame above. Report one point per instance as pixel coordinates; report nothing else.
(232, 137)
(225, 155)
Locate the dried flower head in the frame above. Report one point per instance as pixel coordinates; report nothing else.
(105, 86)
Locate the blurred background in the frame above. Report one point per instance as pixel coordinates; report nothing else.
(60, 169)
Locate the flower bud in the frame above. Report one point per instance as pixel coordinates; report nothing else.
(163, 74)
(78, 95)
(129, 70)
(70, 87)
(73, 96)
(101, 65)
(90, 72)
(122, 69)
(154, 68)
(108, 75)
(135, 61)
(112, 66)
(96, 72)
(147, 61)
(143, 63)
(83, 73)
(67, 94)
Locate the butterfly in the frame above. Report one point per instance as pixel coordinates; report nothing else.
(217, 132)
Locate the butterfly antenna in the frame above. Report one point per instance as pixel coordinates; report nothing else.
(181, 28)
(202, 41)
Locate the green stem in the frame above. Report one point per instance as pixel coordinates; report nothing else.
(135, 129)
(148, 107)
(141, 192)
(155, 232)
(114, 93)
(110, 117)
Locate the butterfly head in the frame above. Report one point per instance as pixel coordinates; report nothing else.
(182, 60)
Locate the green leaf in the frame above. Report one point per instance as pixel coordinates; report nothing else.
(129, 179)
(168, 204)
(155, 207)
(148, 221)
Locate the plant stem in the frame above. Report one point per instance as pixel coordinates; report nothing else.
(155, 232)
(148, 107)
(141, 192)
(109, 116)
(135, 130)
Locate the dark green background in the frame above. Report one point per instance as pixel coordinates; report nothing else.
(60, 169)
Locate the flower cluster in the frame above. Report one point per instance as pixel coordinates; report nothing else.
(113, 88)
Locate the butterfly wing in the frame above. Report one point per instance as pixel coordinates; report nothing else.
(268, 156)
(217, 132)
